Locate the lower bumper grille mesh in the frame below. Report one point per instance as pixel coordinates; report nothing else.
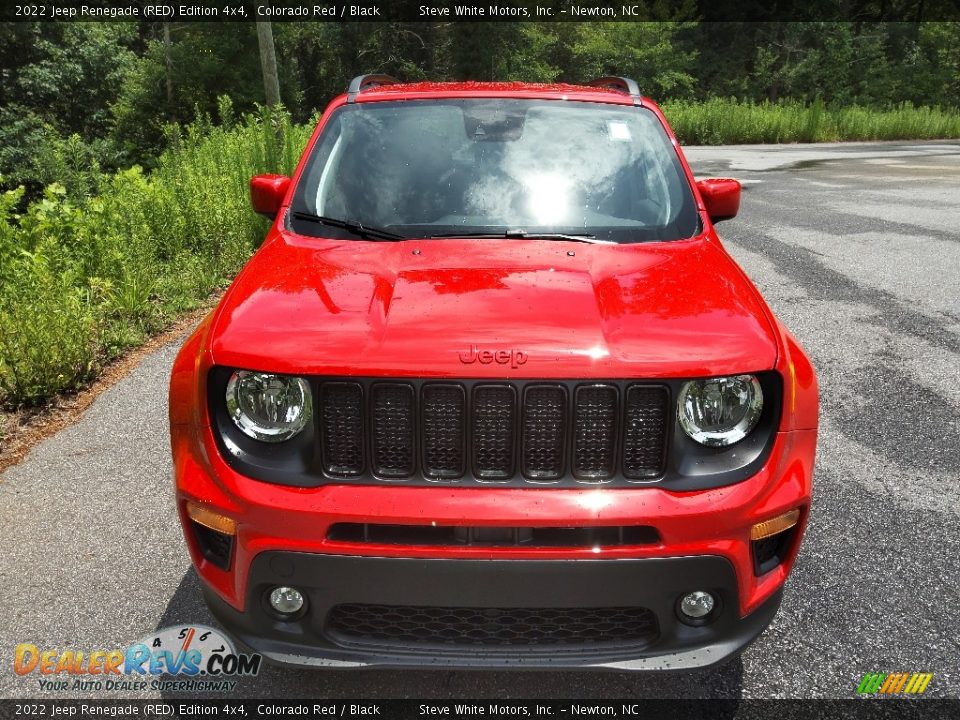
(216, 547)
(491, 627)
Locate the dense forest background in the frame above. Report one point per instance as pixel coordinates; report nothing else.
(75, 96)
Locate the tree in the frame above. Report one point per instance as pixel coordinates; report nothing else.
(268, 63)
(203, 61)
(55, 93)
(651, 52)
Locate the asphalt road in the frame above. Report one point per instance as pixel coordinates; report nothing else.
(857, 249)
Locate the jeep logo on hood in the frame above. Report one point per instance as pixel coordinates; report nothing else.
(513, 358)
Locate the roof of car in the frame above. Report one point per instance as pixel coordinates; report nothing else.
(559, 91)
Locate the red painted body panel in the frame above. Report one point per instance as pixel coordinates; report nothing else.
(306, 305)
(267, 193)
(347, 307)
(721, 197)
(713, 522)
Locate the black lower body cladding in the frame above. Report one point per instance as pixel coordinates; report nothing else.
(619, 614)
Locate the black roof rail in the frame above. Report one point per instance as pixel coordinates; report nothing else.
(623, 84)
(365, 82)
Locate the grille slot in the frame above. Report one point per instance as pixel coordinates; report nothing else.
(494, 412)
(544, 429)
(342, 428)
(590, 537)
(391, 408)
(644, 431)
(444, 431)
(492, 628)
(595, 432)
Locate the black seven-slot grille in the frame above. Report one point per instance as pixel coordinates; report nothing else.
(537, 432)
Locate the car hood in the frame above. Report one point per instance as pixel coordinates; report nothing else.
(493, 308)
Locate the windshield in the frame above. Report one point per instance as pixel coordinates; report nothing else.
(496, 167)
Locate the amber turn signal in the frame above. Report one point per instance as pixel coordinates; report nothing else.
(208, 518)
(775, 525)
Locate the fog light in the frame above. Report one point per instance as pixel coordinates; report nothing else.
(286, 600)
(697, 605)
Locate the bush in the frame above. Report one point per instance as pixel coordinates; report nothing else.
(726, 121)
(84, 278)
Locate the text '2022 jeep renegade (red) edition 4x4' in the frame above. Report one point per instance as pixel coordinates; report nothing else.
(492, 393)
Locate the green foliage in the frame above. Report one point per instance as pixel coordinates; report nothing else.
(56, 92)
(72, 72)
(645, 50)
(183, 71)
(24, 137)
(46, 327)
(83, 279)
(873, 64)
(721, 122)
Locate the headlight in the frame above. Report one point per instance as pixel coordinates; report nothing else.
(720, 411)
(268, 407)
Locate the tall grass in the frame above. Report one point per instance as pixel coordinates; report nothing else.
(721, 121)
(82, 279)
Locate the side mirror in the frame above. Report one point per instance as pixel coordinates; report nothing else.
(267, 193)
(721, 197)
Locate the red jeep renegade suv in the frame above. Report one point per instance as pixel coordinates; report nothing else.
(492, 393)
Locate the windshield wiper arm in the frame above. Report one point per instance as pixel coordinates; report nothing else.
(559, 236)
(522, 234)
(352, 227)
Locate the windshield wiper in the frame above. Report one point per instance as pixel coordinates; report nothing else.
(523, 234)
(561, 236)
(352, 227)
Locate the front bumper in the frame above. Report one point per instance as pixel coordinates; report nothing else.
(329, 581)
(282, 538)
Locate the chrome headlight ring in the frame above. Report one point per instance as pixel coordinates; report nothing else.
(268, 407)
(720, 411)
